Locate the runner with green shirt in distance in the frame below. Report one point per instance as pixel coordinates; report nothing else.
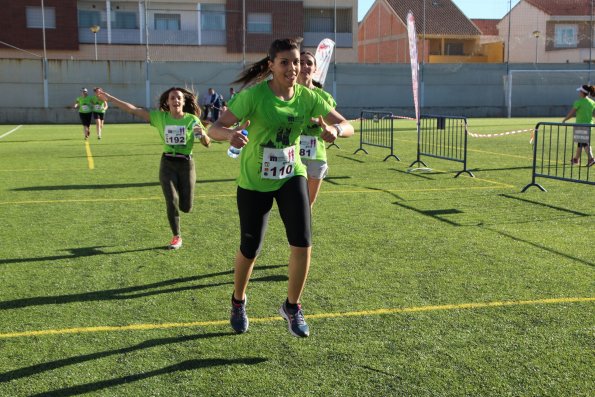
(274, 112)
(84, 104)
(312, 147)
(178, 124)
(99, 108)
(583, 109)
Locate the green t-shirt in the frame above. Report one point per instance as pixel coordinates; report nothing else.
(271, 156)
(99, 106)
(176, 134)
(85, 104)
(584, 110)
(312, 147)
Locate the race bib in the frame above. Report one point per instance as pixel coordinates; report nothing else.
(175, 135)
(307, 147)
(97, 108)
(85, 108)
(581, 134)
(278, 163)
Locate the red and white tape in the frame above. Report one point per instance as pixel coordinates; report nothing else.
(474, 135)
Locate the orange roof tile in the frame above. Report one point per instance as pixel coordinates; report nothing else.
(443, 17)
(563, 7)
(488, 27)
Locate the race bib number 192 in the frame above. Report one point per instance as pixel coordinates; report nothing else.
(175, 135)
(278, 163)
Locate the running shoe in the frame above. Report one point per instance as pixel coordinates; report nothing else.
(239, 319)
(175, 243)
(591, 162)
(574, 161)
(295, 320)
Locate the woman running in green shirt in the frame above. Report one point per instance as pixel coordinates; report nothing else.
(84, 104)
(312, 147)
(177, 122)
(99, 109)
(274, 112)
(583, 108)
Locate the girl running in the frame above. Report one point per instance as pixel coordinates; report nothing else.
(274, 112)
(583, 110)
(177, 122)
(99, 109)
(312, 147)
(84, 104)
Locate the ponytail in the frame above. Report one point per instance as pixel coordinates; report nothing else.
(260, 70)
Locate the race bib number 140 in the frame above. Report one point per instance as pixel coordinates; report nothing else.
(278, 163)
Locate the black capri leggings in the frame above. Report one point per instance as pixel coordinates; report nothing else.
(294, 207)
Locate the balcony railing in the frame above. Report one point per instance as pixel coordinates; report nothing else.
(162, 37)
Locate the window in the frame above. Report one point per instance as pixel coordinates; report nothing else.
(89, 18)
(212, 16)
(35, 20)
(260, 23)
(167, 21)
(125, 20)
(454, 49)
(566, 36)
(322, 20)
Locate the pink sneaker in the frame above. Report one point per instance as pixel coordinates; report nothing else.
(175, 243)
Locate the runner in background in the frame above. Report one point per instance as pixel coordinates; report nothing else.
(582, 108)
(177, 122)
(312, 146)
(84, 104)
(99, 109)
(274, 112)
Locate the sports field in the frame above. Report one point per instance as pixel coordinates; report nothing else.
(421, 284)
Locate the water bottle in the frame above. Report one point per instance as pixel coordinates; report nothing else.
(233, 151)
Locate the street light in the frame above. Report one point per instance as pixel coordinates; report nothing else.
(94, 29)
(536, 34)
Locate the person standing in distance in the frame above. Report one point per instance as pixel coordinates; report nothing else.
(583, 108)
(178, 124)
(84, 104)
(274, 112)
(99, 108)
(312, 147)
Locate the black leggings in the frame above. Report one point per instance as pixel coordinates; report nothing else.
(178, 178)
(294, 207)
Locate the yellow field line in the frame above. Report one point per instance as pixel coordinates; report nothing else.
(90, 161)
(362, 313)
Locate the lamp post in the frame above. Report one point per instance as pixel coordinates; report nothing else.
(536, 34)
(94, 29)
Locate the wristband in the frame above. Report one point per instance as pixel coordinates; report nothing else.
(339, 129)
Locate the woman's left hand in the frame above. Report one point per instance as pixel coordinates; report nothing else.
(329, 132)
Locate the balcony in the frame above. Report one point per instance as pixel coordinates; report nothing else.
(156, 37)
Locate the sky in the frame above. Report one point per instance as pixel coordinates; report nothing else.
(482, 9)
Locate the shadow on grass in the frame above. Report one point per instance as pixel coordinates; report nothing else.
(138, 291)
(77, 253)
(524, 200)
(350, 158)
(541, 247)
(106, 186)
(423, 176)
(52, 365)
(333, 179)
(188, 365)
(86, 187)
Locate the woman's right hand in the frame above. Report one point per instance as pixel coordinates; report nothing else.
(237, 139)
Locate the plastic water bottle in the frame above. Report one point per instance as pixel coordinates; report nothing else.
(233, 151)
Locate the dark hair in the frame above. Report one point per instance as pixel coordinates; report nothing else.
(309, 53)
(260, 70)
(314, 82)
(589, 89)
(190, 105)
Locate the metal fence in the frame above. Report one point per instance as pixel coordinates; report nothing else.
(443, 137)
(377, 129)
(557, 155)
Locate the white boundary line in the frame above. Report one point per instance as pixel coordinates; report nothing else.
(10, 132)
